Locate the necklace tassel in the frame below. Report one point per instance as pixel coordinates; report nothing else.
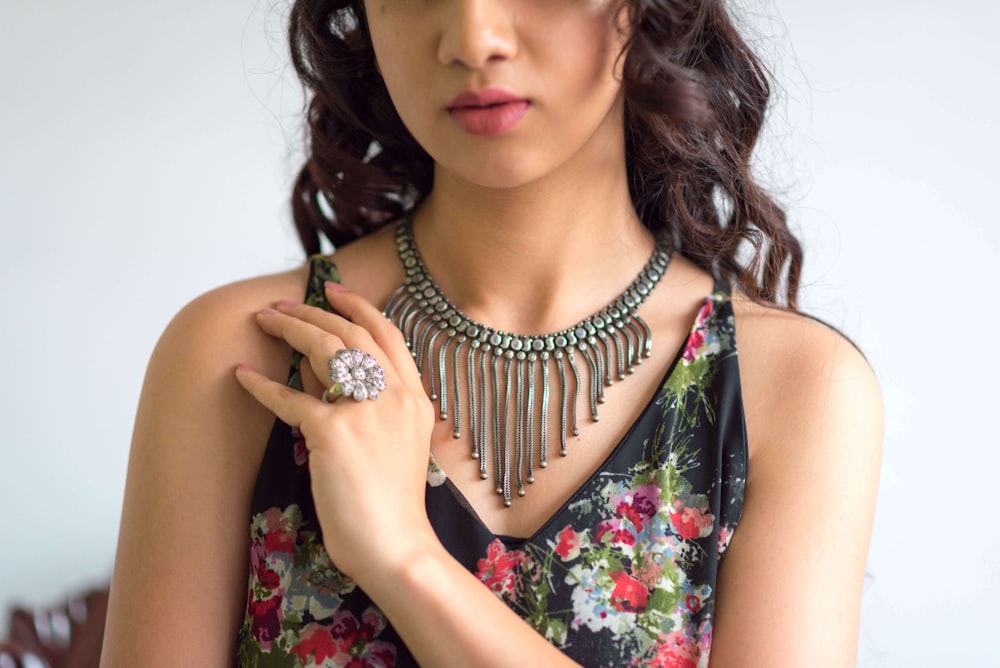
(611, 342)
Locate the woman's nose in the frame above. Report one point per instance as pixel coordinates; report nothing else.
(477, 32)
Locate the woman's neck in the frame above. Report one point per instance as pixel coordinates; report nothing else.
(537, 258)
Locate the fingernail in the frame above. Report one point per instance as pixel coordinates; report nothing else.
(287, 302)
(244, 367)
(335, 287)
(267, 311)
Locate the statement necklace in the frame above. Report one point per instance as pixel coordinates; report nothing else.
(503, 369)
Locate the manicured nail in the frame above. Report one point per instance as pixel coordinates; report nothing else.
(335, 287)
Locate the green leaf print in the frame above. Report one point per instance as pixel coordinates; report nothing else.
(250, 655)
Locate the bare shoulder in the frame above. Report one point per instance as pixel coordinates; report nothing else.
(196, 449)
(796, 371)
(198, 351)
(789, 590)
(219, 325)
(233, 299)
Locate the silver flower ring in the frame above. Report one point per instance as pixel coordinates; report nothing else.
(356, 374)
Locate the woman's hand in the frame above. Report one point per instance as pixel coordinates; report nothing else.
(368, 459)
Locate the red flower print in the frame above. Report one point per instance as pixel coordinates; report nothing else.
(692, 602)
(281, 532)
(694, 343)
(704, 313)
(266, 617)
(640, 505)
(615, 531)
(569, 543)
(696, 340)
(629, 595)
(675, 651)
(691, 522)
(267, 578)
(300, 453)
(278, 541)
(316, 641)
(497, 570)
(347, 640)
(632, 514)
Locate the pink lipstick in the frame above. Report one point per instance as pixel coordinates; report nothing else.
(488, 112)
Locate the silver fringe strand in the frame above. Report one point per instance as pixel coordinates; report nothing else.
(611, 342)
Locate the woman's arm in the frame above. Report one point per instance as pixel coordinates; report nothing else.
(179, 583)
(789, 590)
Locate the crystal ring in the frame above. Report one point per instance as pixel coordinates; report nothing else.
(356, 374)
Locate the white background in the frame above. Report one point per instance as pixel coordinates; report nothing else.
(146, 154)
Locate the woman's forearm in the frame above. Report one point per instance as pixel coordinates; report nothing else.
(447, 617)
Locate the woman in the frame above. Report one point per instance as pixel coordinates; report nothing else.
(574, 173)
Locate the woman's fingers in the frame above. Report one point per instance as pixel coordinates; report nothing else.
(315, 343)
(361, 312)
(291, 407)
(357, 449)
(319, 335)
(359, 324)
(312, 384)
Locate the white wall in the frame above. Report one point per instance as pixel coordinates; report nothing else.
(145, 157)
(141, 163)
(892, 130)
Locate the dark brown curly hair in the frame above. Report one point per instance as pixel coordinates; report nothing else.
(695, 99)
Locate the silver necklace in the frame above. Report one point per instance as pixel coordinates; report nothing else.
(503, 369)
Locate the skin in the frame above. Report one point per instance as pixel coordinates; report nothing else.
(527, 231)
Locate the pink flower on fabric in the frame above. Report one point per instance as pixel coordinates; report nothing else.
(258, 555)
(649, 571)
(497, 570)
(675, 650)
(725, 535)
(281, 532)
(696, 340)
(694, 343)
(316, 642)
(689, 522)
(348, 641)
(704, 314)
(639, 506)
(614, 531)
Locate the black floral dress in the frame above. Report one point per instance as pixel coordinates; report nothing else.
(624, 574)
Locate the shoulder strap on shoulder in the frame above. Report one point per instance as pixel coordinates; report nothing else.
(321, 270)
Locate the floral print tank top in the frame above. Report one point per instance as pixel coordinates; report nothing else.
(624, 574)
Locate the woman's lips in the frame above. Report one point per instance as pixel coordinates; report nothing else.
(489, 112)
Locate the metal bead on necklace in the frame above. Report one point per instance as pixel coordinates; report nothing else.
(506, 414)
